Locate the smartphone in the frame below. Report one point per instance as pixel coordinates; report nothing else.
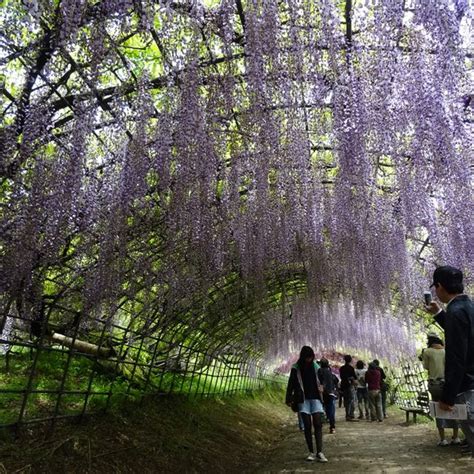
(428, 297)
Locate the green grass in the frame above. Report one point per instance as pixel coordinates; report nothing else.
(84, 374)
(162, 434)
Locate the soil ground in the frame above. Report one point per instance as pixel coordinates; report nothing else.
(162, 435)
(252, 434)
(388, 447)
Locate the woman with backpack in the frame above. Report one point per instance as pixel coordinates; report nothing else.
(305, 389)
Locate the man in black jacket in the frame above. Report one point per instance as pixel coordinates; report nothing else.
(348, 377)
(458, 324)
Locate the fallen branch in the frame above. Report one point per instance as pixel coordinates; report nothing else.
(82, 346)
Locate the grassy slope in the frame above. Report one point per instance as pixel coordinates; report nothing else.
(172, 434)
(85, 375)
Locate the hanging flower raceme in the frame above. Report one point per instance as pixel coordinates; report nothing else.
(178, 159)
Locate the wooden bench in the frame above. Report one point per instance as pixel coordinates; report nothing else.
(418, 406)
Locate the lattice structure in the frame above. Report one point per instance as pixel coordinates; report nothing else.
(411, 388)
(44, 380)
(51, 372)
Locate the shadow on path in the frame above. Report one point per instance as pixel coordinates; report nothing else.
(387, 447)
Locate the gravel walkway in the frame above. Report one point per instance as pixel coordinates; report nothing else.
(387, 447)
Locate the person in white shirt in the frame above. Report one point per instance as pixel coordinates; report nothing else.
(362, 391)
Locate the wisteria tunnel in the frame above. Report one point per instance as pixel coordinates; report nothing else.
(192, 190)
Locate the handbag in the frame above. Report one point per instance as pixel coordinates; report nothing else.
(294, 403)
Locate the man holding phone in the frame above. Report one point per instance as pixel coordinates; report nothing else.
(458, 324)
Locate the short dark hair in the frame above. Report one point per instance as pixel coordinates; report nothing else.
(360, 364)
(450, 278)
(434, 340)
(376, 363)
(324, 363)
(452, 288)
(347, 359)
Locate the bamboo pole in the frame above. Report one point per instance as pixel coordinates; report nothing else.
(82, 346)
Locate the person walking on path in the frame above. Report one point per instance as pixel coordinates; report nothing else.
(374, 379)
(383, 387)
(329, 382)
(341, 396)
(348, 377)
(305, 389)
(457, 320)
(433, 361)
(362, 392)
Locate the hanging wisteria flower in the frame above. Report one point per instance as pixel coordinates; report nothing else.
(176, 167)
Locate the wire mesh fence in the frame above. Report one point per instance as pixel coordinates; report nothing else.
(52, 376)
(410, 390)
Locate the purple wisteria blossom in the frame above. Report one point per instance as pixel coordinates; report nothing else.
(172, 165)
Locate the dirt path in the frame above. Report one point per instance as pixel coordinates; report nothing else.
(387, 447)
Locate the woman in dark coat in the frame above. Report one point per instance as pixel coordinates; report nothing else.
(305, 388)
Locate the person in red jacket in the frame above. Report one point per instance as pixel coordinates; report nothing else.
(374, 380)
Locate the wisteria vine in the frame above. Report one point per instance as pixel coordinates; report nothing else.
(159, 160)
